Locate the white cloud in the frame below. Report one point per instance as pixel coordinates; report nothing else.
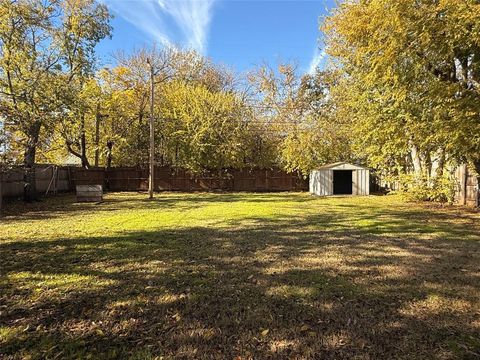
(190, 19)
(318, 60)
(193, 17)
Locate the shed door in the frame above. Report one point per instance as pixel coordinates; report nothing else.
(342, 182)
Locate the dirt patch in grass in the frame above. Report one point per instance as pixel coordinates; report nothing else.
(239, 276)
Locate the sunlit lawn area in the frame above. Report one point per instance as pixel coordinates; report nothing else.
(239, 276)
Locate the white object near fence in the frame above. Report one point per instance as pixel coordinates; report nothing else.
(340, 179)
(89, 193)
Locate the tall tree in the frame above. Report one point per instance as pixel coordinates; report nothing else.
(300, 115)
(45, 47)
(202, 129)
(186, 88)
(85, 23)
(412, 71)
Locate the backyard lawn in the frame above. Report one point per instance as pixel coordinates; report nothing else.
(239, 276)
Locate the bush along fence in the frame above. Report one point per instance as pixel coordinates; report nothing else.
(466, 187)
(51, 179)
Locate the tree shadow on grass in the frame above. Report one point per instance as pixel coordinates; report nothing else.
(317, 286)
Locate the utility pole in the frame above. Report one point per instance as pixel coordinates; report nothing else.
(97, 134)
(152, 138)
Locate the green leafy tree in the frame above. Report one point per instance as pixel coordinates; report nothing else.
(85, 23)
(300, 114)
(46, 46)
(201, 128)
(199, 115)
(412, 71)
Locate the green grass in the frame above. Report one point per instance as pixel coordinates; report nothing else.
(239, 276)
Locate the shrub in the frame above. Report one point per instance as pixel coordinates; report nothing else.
(439, 189)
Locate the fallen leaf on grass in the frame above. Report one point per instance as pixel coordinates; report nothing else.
(305, 328)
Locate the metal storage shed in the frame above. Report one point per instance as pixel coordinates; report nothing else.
(340, 178)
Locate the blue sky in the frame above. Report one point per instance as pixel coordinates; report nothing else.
(238, 33)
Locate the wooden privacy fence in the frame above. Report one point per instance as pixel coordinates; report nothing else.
(49, 179)
(468, 192)
(168, 179)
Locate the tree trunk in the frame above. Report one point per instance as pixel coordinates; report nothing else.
(151, 173)
(416, 160)
(1, 190)
(83, 142)
(427, 165)
(437, 165)
(30, 186)
(109, 163)
(476, 165)
(97, 134)
(109, 154)
(83, 145)
(440, 162)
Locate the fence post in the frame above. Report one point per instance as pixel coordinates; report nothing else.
(70, 185)
(56, 180)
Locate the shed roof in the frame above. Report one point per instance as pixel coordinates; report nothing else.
(341, 165)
